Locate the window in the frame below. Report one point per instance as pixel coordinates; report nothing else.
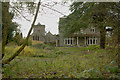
(92, 29)
(69, 41)
(38, 38)
(91, 40)
(33, 37)
(88, 41)
(65, 41)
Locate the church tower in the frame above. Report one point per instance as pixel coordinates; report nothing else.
(39, 32)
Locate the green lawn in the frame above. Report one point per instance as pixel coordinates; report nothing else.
(62, 62)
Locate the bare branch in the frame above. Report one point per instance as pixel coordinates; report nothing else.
(20, 13)
(53, 9)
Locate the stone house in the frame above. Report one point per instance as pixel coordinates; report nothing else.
(40, 34)
(88, 36)
(84, 37)
(50, 37)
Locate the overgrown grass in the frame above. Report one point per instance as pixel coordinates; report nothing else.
(62, 62)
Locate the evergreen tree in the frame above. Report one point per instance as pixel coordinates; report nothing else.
(12, 29)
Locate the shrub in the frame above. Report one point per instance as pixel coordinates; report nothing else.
(111, 68)
(9, 51)
(91, 73)
(27, 51)
(50, 43)
(7, 70)
(29, 43)
(12, 43)
(37, 45)
(18, 39)
(59, 52)
(92, 47)
(43, 46)
(38, 56)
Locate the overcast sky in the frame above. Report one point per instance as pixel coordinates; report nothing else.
(47, 17)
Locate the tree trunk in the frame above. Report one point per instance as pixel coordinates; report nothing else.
(26, 40)
(102, 37)
(5, 25)
(118, 40)
(119, 46)
(0, 27)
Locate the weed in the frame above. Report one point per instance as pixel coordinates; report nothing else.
(62, 62)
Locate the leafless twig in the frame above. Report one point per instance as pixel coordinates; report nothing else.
(20, 13)
(53, 9)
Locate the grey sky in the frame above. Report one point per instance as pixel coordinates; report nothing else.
(48, 17)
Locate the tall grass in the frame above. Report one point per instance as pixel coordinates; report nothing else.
(63, 62)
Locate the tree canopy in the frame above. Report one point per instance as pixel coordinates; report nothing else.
(97, 14)
(90, 13)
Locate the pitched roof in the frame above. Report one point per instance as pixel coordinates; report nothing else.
(38, 24)
(49, 33)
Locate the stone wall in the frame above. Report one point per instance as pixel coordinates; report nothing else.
(39, 34)
(50, 37)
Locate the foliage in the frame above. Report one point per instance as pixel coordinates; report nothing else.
(12, 43)
(59, 52)
(91, 73)
(48, 64)
(93, 47)
(50, 43)
(18, 39)
(89, 14)
(38, 56)
(12, 29)
(29, 43)
(79, 18)
(43, 46)
(0, 32)
(37, 45)
(7, 69)
(6, 28)
(18, 8)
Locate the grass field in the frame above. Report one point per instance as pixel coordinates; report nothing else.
(62, 62)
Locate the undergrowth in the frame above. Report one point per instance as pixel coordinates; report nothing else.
(62, 62)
